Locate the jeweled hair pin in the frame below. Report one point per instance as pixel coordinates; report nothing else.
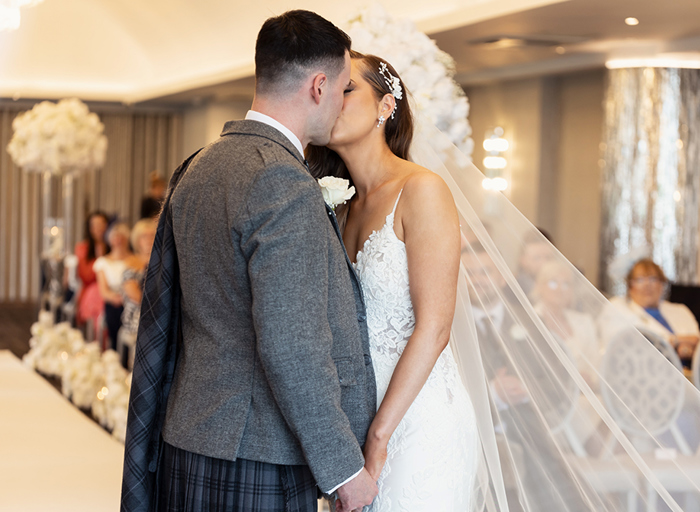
(393, 83)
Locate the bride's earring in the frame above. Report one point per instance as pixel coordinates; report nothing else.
(381, 121)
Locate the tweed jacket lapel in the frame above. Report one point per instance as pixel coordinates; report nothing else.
(256, 128)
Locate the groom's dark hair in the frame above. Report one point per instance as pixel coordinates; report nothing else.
(290, 45)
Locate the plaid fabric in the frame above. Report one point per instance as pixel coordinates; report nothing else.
(189, 482)
(154, 363)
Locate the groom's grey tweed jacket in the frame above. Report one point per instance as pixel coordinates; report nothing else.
(274, 364)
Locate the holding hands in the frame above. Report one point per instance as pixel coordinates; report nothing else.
(357, 493)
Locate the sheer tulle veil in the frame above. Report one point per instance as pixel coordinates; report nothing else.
(576, 409)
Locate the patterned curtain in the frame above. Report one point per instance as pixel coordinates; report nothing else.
(139, 142)
(651, 175)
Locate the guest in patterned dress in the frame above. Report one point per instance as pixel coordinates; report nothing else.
(142, 236)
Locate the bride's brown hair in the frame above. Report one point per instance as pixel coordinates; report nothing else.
(398, 131)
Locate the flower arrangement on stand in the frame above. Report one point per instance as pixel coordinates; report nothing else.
(59, 140)
(427, 71)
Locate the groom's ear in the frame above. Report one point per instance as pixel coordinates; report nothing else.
(318, 87)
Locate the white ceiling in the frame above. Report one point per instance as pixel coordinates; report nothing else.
(135, 51)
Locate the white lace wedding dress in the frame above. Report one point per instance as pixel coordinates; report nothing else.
(432, 456)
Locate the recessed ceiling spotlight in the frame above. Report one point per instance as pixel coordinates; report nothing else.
(632, 21)
(560, 50)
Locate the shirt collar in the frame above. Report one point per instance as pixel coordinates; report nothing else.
(252, 115)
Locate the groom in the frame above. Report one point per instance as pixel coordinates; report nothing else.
(272, 389)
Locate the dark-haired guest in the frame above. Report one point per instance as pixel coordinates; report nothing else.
(153, 200)
(93, 246)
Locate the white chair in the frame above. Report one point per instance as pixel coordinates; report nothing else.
(653, 391)
(606, 476)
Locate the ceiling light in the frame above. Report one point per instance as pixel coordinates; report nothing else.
(688, 61)
(9, 12)
(560, 50)
(632, 21)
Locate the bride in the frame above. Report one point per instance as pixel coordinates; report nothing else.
(402, 231)
(534, 392)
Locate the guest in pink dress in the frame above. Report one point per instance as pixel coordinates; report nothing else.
(90, 304)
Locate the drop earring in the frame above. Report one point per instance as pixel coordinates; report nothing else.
(381, 121)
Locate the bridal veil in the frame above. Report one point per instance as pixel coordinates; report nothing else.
(576, 409)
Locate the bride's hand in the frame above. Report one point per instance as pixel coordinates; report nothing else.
(375, 455)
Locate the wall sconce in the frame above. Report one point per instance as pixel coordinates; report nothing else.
(494, 162)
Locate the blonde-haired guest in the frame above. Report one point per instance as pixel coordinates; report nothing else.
(109, 270)
(142, 236)
(554, 301)
(645, 307)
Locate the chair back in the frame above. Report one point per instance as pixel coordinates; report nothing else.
(642, 391)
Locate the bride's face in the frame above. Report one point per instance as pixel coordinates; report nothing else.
(360, 110)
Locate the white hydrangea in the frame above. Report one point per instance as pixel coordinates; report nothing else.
(58, 137)
(426, 70)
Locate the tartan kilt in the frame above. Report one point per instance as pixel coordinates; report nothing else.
(189, 482)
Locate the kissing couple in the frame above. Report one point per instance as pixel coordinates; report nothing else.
(289, 347)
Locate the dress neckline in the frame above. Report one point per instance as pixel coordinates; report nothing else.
(388, 222)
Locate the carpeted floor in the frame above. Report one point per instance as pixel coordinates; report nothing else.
(15, 320)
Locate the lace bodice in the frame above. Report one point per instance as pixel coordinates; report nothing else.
(431, 455)
(383, 271)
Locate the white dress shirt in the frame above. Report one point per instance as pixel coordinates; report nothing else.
(252, 115)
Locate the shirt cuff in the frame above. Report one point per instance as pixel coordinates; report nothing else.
(346, 481)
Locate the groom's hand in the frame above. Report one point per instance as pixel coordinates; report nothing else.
(357, 493)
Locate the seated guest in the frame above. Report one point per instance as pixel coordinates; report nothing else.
(503, 332)
(90, 304)
(109, 270)
(554, 295)
(576, 332)
(535, 253)
(142, 236)
(644, 307)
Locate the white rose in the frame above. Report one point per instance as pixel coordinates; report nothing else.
(335, 190)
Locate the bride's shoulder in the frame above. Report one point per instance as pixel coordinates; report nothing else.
(424, 186)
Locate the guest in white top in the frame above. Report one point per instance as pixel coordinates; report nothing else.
(553, 293)
(645, 308)
(109, 270)
(576, 331)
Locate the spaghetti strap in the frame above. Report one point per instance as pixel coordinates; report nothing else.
(397, 202)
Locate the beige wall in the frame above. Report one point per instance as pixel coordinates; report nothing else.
(516, 107)
(554, 126)
(578, 230)
(203, 123)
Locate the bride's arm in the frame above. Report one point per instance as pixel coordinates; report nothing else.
(431, 233)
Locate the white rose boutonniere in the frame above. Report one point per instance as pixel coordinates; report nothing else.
(335, 190)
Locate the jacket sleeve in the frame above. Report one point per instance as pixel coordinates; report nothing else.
(285, 240)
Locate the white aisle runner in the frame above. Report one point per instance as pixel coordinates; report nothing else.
(52, 457)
